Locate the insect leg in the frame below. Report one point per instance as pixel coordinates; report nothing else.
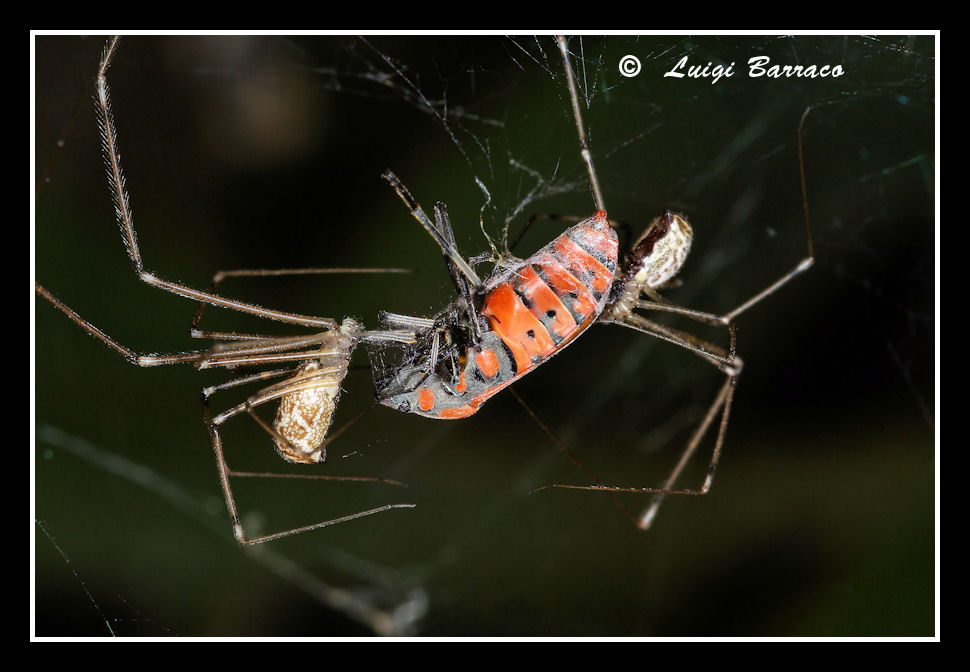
(447, 247)
(461, 282)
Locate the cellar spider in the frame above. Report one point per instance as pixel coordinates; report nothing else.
(308, 393)
(500, 328)
(628, 296)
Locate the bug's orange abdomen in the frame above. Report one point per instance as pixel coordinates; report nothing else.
(518, 328)
(554, 295)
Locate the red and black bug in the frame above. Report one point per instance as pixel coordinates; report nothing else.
(524, 313)
(498, 330)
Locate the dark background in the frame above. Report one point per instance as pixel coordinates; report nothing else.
(267, 152)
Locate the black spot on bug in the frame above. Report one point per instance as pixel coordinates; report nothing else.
(526, 300)
(531, 333)
(551, 314)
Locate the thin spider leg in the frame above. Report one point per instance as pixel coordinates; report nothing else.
(446, 247)
(194, 330)
(244, 380)
(731, 368)
(269, 352)
(809, 259)
(416, 324)
(724, 361)
(721, 403)
(116, 179)
(724, 398)
(272, 344)
(287, 348)
(302, 382)
(317, 477)
(224, 475)
(571, 455)
(130, 355)
(433, 357)
(664, 305)
(698, 315)
(443, 224)
(799, 268)
(208, 392)
(305, 381)
(577, 115)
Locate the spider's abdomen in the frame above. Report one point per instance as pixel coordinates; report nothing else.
(656, 257)
(310, 398)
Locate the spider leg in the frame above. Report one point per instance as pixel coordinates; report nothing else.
(306, 381)
(730, 366)
(116, 179)
(577, 115)
(809, 259)
(263, 351)
(129, 354)
(572, 457)
(194, 330)
(224, 476)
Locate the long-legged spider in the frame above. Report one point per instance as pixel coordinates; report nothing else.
(645, 280)
(527, 311)
(309, 391)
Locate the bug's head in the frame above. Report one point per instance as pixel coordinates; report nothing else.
(658, 254)
(399, 401)
(398, 391)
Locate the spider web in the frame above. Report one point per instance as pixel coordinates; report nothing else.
(267, 153)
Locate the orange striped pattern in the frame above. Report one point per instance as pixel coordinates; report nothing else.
(521, 331)
(554, 295)
(534, 310)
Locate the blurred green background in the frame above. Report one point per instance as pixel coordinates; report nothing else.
(267, 153)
